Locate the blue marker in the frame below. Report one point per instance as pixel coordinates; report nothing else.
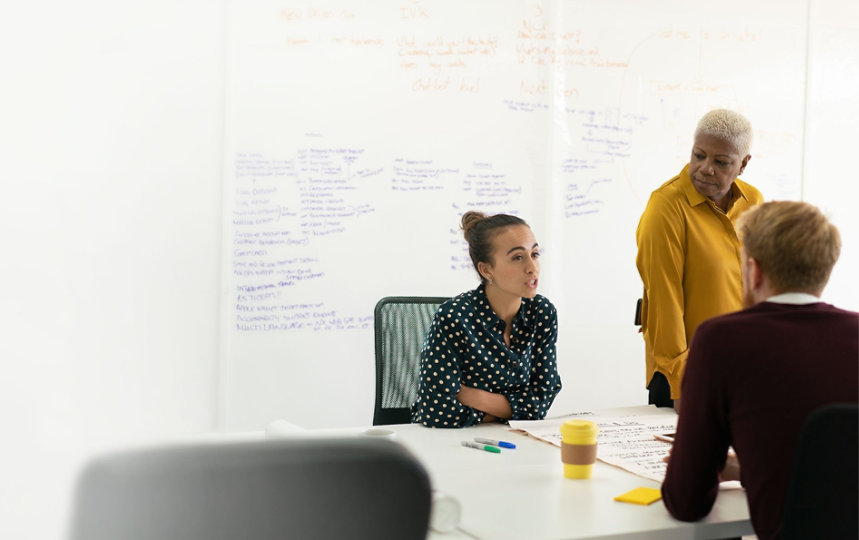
(481, 447)
(502, 444)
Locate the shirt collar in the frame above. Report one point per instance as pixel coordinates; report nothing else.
(485, 310)
(796, 298)
(696, 198)
(481, 304)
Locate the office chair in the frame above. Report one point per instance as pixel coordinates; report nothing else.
(318, 489)
(401, 324)
(822, 500)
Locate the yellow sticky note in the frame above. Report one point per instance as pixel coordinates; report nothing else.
(640, 495)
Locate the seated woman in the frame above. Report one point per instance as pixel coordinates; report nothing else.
(490, 352)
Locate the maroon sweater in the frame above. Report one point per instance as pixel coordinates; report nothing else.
(752, 377)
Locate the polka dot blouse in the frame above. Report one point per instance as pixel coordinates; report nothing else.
(465, 345)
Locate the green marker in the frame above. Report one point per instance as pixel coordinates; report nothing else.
(476, 446)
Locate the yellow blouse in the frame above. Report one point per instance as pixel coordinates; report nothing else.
(689, 261)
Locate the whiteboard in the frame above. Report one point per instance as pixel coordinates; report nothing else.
(356, 136)
(832, 110)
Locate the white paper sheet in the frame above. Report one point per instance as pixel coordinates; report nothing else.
(623, 441)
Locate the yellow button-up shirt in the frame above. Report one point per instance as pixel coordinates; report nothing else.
(689, 261)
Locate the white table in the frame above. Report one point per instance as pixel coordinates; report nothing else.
(523, 493)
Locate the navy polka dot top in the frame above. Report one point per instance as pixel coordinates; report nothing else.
(465, 345)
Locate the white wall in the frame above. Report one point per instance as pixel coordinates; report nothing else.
(110, 140)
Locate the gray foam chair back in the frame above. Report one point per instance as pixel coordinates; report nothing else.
(317, 489)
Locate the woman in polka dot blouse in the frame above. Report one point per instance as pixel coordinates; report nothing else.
(490, 352)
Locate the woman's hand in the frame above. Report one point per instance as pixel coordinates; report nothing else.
(492, 404)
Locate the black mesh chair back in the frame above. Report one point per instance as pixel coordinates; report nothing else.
(823, 498)
(401, 324)
(323, 489)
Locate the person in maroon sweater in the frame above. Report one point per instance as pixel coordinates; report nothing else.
(753, 376)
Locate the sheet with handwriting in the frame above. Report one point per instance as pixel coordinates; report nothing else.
(623, 441)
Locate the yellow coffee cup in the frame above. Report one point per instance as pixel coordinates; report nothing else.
(578, 448)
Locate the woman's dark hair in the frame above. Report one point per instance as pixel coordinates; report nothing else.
(479, 231)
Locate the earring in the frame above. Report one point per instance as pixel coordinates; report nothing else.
(490, 281)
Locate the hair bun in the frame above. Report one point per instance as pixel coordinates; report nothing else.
(470, 220)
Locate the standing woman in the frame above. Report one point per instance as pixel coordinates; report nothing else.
(688, 250)
(490, 352)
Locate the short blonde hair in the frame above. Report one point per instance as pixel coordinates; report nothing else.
(794, 243)
(729, 126)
